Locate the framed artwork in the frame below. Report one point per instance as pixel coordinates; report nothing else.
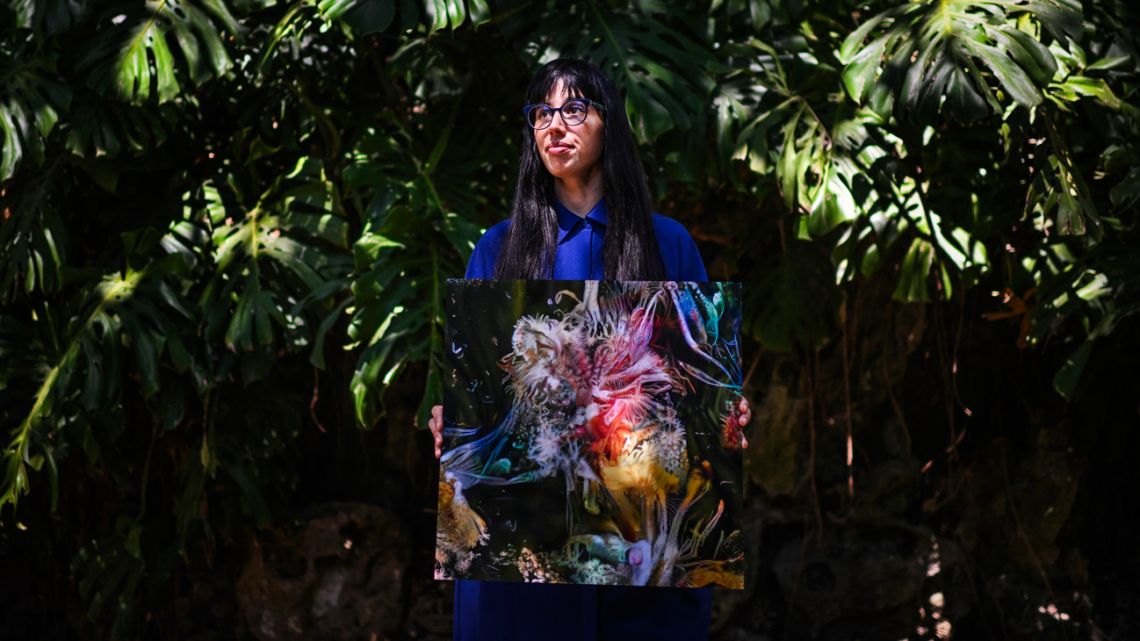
(591, 433)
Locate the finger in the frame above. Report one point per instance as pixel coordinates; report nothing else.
(745, 418)
(743, 441)
(743, 404)
(436, 421)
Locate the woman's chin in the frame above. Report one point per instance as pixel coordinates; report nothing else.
(561, 169)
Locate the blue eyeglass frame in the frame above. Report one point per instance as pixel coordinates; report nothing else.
(589, 103)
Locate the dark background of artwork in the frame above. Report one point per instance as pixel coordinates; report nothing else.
(224, 227)
(471, 367)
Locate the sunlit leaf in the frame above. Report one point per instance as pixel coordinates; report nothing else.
(362, 16)
(945, 56)
(133, 56)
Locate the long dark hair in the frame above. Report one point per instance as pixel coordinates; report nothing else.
(630, 249)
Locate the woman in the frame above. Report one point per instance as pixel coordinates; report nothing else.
(581, 211)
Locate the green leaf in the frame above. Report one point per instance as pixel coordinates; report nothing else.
(1066, 379)
(86, 370)
(437, 11)
(317, 357)
(461, 233)
(849, 50)
(479, 11)
(1013, 78)
(862, 68)
(147, 351)
(1064, 18)
(1028, 52)
(787, 169)
(1111, 62)
(1076, 86)
(456, 12)
(914, 273)
(33, 237)
(1127, 191)
(944, 49)
(30, 103)
(837, 206)
(119, 63)
(362, 16)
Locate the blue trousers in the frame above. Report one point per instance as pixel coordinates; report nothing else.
(492, 611)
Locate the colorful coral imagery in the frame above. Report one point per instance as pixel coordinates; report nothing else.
(591, 433)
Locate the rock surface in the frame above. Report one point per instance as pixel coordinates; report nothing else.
(339, 574)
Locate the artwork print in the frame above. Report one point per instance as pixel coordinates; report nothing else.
(591, 433)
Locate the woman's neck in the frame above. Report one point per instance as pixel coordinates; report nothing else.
(579, 194)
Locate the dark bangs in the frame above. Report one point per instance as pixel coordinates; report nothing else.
(577, 80)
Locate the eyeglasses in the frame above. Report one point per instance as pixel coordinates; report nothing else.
(574, 112)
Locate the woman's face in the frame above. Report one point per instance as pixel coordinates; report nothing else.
(570, 151)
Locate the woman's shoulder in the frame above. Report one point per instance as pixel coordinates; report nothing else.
(497, 231)
(666, 226)
(494, 234)
(486, 251)
(678, 250)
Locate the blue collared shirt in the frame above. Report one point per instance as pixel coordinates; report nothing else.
(579, 252)
(489, 611)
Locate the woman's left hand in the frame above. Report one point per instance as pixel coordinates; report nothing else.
(744, 418)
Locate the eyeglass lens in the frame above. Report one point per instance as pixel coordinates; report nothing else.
(573, 113)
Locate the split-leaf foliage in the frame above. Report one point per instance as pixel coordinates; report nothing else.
(208, 203)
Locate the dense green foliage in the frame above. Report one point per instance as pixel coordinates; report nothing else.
(225, 224)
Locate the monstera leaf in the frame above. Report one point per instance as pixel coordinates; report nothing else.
(48, 17)
(951, 58)
(141, 52)
(31, 99)
(632, 47)
(271, 262)
(362, 16)
(812, 162)
(373, 16)
(33, 236)
(410, 243)
(128, 325)
(444, 13)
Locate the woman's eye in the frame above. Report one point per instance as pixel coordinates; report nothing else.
(574, 109)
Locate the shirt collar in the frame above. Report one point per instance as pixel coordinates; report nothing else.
(567, 219)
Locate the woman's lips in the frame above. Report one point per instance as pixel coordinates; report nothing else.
(558, 149)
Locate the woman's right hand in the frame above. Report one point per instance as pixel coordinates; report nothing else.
(435, 424)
